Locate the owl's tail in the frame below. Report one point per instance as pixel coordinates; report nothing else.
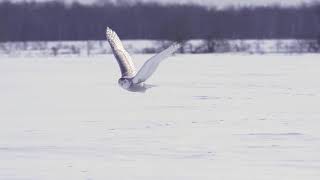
(148, 86)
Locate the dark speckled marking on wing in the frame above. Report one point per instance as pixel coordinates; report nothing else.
(124, 60)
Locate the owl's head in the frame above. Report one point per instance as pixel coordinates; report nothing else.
(124, 83)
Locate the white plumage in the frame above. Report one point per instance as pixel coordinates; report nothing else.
(132, 80)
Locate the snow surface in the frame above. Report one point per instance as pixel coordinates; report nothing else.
(211, 117)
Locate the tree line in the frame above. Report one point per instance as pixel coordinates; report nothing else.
(31, 21)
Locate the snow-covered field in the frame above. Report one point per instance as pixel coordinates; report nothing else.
(195, 46)
(211, 117)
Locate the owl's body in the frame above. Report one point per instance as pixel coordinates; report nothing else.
(127, 84)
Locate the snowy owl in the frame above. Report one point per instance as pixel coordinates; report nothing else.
(132, 80)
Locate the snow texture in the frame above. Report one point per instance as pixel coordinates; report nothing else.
(210, 117)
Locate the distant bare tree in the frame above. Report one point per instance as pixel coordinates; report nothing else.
(89, 46)
(55, 50)
(210, 43)
(318, 40)
(75, 50)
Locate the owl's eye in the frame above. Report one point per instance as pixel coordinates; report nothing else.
(127, 82)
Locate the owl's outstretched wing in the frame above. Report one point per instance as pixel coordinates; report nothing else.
(124, 60)
(151, 65)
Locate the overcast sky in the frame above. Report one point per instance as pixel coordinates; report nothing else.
(218, 3)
